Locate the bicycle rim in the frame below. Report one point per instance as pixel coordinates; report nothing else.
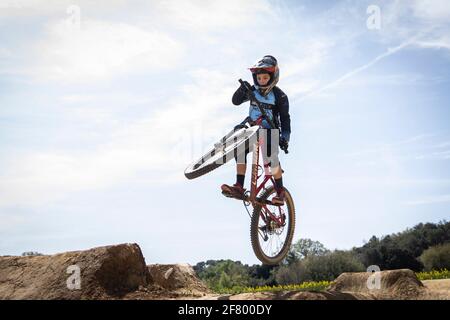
(222, 152)
(270, 240)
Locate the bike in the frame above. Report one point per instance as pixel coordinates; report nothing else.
(272, 226)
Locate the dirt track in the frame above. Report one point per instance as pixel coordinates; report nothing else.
(395, 284)
(120, 272)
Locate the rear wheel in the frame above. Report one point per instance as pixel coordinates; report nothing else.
(272, 228)
(234, 143)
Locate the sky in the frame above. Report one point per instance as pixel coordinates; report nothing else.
(104, 104)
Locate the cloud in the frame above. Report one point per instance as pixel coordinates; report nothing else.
(150, 149)
(442, 42)
(398, 156)
(401, 79)
(5, 53)
(387, 53)
(216, 15)
(439, 155)
(403, 19)
(435, 11)
(429, 200)
(35, 8)
(297, 68)
(100, 49)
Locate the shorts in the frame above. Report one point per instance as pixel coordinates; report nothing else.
(269, 150)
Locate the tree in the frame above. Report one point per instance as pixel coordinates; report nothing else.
(327, 266)
(304, 248)
(261, 275)
(401, 250)
(396, 258)
(437, 257)
(224, 274)
(330, 265)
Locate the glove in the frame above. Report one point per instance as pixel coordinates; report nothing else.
(284, 144)
(245, 85)
(244, 89)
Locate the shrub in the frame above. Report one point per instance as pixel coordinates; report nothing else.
(437, 257)
(319, 268)
(331, 265)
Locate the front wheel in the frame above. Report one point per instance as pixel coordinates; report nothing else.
(272, 228)
(234, 143)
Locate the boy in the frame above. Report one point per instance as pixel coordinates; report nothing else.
(275, 102)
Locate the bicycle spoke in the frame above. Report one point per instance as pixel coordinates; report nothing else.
(275, 229)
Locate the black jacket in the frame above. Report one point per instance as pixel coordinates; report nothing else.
(280, 113)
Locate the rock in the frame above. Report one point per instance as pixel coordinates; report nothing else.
(104, 272)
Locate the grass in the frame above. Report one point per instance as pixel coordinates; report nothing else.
(434, 275)
(321, 285)
(305, 286)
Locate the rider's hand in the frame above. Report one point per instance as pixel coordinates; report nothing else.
(245, 85)
(244, 88)
(284, 144)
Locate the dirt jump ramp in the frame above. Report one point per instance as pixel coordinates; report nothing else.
(111, 272)
(120, 272)
(396, 284)
(104, 272)
(393, 284)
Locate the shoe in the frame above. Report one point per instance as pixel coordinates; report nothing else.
(234, 191)
(279, 198)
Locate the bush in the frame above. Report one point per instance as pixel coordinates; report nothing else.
(434, 275)
(331, 265)
(292, 274)
(319, 268)
(437, 257)
(223, 274)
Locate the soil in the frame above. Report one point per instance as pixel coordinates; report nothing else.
(120, 272)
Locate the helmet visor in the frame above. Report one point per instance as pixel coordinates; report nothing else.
(268, 69)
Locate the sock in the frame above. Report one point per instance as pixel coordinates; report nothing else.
(279, 183)
(240, 178)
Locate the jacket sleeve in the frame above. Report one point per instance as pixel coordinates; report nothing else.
(285, 118)
(240, 96)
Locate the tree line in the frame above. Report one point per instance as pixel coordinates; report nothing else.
(424, 247)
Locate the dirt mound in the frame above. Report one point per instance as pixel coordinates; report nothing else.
(180, 278)
(392, 284)
(120, 272)
(104, 272)
(112, 272)
(397, 284)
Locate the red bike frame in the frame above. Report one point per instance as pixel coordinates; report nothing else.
(255, 188)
